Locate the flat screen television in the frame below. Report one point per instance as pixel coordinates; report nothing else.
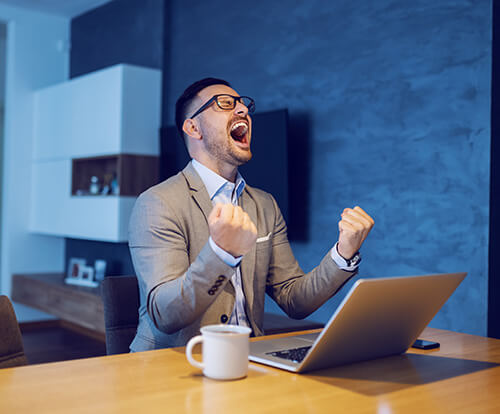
(268, 168)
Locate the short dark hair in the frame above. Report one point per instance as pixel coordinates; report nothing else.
(188, 95)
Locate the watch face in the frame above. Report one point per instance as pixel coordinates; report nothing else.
(354, 260)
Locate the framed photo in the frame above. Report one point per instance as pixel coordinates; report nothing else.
(80, 274)
(86, 273)
(74, 266)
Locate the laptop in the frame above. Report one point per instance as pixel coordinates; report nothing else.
(377, 318)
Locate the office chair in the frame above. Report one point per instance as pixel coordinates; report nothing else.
(120, 295)
(11, 342)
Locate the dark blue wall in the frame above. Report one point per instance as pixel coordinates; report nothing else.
(122, 31)
(397, 97)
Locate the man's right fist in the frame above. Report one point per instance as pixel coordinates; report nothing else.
(232, 229)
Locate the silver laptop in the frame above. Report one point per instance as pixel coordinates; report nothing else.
(377, 318)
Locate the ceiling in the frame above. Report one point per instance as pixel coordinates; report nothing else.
(66, 8)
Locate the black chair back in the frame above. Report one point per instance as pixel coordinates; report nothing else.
(11, 342)
(120, 295)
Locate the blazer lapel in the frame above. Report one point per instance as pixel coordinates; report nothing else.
(198, 190)
(200, 196)
(248, 261)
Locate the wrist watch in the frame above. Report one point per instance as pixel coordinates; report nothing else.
(354, 260)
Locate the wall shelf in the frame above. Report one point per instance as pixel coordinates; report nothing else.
(132, 174)
(83, 306)
(48, 292)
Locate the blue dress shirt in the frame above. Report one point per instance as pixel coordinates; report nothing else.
(222, 191)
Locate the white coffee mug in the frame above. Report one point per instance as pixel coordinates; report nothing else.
(224, 351)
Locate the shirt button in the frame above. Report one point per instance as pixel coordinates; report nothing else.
(223, 318)
(211, 292)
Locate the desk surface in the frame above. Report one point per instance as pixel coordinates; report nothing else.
(462, 376)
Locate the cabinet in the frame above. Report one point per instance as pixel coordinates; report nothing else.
(102, 125)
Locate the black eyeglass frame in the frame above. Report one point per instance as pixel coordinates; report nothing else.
(251, 106)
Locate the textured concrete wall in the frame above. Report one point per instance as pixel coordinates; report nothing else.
(397, 97)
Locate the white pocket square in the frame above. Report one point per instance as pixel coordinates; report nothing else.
(264, 238)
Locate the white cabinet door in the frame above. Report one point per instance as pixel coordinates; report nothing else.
(103, 218)
(50, 194)
(79, 118)
(55, 212)
(141, 107)
(115, 110)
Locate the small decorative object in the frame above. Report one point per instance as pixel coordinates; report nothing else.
(94, 185)
(74, 267)
(115, 188)
(86, 273)
(100, 270)
(106, 187)
(80, 274)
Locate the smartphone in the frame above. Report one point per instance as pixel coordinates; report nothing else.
(421, 344)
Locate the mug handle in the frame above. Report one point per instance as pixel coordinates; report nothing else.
(189, 352)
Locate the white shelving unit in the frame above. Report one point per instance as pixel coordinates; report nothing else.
(109, 112)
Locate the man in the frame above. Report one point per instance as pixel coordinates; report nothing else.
(206, 247)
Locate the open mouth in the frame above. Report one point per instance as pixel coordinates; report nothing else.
(239, 132)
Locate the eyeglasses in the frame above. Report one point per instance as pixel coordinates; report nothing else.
(227, 103)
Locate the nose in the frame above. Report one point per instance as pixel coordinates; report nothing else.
(240, 109)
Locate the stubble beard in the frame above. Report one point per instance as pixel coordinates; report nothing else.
(226, 151)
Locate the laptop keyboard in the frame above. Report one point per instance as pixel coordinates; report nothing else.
(295, 354)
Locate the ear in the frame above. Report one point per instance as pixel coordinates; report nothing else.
(191, 129)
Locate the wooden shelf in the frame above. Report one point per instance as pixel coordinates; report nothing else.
(48, 292)
(83, 306)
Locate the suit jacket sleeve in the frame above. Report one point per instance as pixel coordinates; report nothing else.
(177, 292)
(297, 293)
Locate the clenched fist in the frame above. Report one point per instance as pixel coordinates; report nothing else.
(353, 228)
(232, 229)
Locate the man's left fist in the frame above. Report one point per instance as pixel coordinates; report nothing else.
(353, 229)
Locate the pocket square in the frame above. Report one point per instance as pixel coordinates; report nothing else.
(264, 238)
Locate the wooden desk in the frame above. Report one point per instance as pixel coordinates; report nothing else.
(462, 376)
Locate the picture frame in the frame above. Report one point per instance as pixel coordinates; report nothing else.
(74, 267)
(86, 273)
(80, 274)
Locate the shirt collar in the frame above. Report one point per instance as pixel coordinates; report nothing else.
(214, 182)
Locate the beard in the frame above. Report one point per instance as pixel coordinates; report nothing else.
(226, 150)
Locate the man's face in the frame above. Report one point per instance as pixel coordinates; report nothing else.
(226, 134)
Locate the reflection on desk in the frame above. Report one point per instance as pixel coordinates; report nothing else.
(462, 376)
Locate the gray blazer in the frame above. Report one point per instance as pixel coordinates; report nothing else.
(184, 285)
